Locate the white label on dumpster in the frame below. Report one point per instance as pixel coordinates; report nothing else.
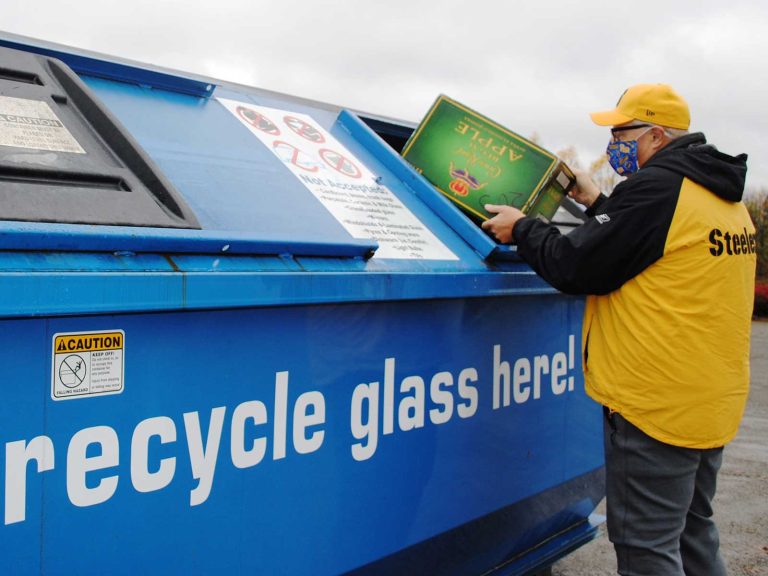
(338, 179)
(87, 364)
(32, 124)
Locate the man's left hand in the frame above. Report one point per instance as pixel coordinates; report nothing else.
(501, 225)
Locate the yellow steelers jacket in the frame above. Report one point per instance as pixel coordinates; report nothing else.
(668, 264)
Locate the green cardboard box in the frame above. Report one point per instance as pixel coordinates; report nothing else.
(475, 161)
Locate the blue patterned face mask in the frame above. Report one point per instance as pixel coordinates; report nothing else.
(622, 156)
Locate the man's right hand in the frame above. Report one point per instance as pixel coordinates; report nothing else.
(585, 192)
(501, 225)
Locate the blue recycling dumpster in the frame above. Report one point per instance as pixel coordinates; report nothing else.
(241, 336)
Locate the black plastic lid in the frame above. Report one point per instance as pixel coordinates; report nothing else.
(65, 158)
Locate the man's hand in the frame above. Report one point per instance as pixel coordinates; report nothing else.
(585, 192)
(501, 225)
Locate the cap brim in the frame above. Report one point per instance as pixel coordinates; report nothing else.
(610, 118)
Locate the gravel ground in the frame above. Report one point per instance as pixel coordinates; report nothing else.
(741, 503)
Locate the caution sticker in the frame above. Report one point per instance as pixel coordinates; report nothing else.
(87, 364)
(32, 124)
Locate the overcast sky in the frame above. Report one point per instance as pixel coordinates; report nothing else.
(535, 66)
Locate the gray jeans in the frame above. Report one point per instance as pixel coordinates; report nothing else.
(659, 504)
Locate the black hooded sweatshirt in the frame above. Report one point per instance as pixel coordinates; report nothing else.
(627, 232)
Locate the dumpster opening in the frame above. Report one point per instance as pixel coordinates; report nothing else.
(20, 76)
(396, 135)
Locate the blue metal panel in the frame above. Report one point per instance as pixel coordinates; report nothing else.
(517, 540)
(407, 487)
(233, 183)
(43, 284)
(21, 548)
(45, 236)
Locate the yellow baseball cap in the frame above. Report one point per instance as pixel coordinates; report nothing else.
(655, 103)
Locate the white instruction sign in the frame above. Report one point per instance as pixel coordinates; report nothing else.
(32, 124)
(87, 364)
(350, 192)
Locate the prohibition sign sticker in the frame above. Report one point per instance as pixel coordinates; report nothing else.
(289, 154)
(87, 364)
(72, 371)
(258, 120)
(340, 163)
(304, 129)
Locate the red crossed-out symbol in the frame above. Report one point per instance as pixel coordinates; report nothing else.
(288, 153)
(258, 120)
(304, 129)
(340, 163)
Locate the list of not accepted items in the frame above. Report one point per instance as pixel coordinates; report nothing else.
(341, 182)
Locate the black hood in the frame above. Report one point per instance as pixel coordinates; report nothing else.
(692, 157)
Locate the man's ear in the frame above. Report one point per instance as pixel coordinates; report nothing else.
(659, 138)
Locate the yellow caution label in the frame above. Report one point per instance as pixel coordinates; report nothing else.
(87, 364)
(93, 342)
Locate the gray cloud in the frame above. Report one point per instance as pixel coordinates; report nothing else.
(535, 66)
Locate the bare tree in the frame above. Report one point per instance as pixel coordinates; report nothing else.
(756, 201)
(570, 156)
(604, 175)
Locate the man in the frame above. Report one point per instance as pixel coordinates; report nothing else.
(668, 266)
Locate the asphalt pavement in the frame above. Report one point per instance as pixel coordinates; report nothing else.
(741, 502)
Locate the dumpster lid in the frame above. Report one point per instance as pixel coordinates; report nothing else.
(110, 165)
(73, 177)
(64, 157)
